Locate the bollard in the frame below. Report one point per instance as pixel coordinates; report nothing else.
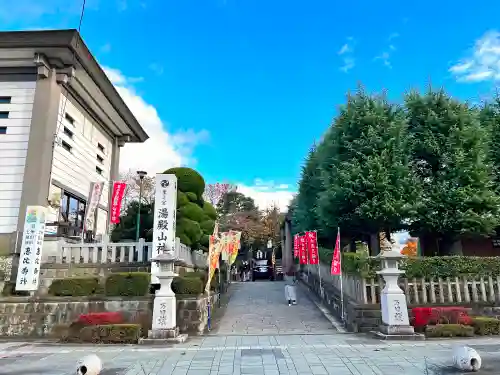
(89, 365)
(466, 358)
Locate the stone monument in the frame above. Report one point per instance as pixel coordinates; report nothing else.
(164, 326)
(395, 322)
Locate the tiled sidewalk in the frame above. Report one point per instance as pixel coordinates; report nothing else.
(339, 354)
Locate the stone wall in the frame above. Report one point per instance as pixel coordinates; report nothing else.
(192, 313)
(35, 317)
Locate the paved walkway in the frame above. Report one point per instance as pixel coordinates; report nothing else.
(339, 354)
(259, 308)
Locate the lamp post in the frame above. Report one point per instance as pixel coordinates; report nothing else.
(141, 175)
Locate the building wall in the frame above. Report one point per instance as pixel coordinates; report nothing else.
(75, 168)
(13, 149)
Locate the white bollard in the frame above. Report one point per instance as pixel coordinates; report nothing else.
(466, 359)
(89, 365)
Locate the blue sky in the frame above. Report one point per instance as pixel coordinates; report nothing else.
(240, 89)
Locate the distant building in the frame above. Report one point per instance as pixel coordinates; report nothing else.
(62, 124)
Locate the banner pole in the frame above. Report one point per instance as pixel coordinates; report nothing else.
(341, 277)
(319, 266)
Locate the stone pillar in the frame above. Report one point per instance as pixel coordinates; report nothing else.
(395, 322)
(164, 326)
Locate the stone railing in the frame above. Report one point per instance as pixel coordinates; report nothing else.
(419, 291)
(119, 252)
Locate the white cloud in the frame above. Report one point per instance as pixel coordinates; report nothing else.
(482, 62)
(347, 51)
(386, 54)
(162, 150)
(266, 194)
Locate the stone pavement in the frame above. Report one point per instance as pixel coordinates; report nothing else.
(259, 308)
(339, 354)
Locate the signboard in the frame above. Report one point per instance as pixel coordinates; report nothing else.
(164, 218)
(116, 201)
(28, 271)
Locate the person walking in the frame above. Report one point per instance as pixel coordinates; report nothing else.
(290, 286)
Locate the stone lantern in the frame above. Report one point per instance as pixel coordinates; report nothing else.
(164, 326)
(395, 322)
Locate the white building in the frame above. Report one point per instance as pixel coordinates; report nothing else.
(62, 124)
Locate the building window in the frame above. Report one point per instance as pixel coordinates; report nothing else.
(3, 130)
(98, 170)
(68, 132)
(72, 210)
(101, 148)
(5, 99)
(66, 146)
(70, 119)
(100, 159)
(4, 114)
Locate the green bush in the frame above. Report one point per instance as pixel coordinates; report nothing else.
(75, 286)
(188, 180)
(205, 240)
(486, 326)
(192, 211)
(9, 289)
(192, 196)
(207, 226)
(183, 237)
(210, 210)
(190, 228)
(202, 275)
(128, 284)
(111, 334)
(187, 285)
(421, 267)
(449, 330)
(182, 199)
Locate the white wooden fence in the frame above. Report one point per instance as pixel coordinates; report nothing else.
(418, 291)
(120, 252)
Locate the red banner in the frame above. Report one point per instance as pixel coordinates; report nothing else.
(116, 201)
(296, 247)
(302, 250)
(336, 265)
(312, 246)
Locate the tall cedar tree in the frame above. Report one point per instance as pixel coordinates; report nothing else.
(369, 185)
(490, 121)
(449, 152)
(303, 215)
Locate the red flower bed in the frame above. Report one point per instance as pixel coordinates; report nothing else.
(423, 316)
(102, 318)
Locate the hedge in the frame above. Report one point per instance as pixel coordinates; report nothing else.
(421, 267)
(486, 326)
(128, 284)
(191, 196)
(75, 286)
(192, 211)
(187, 285)
(209, 210)
(449, 330)
(188, 180)
(111, 334)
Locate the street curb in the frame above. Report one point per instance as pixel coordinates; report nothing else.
(330, 317)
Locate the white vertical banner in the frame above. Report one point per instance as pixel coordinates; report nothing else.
(93, 200)
(30, 258)
(164, 218)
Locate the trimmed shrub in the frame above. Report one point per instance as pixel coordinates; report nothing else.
(205, 240)
(111, 334)
(421, 267)
(188, 180)
(191, 228)
(191, 196)
(192, 211)
(202, 275)
(75, 287)
(449, 330)
(93, 319)
(209, 210)
(207, 226)
(486, 326)
(9, 289)
(182, 199)
(128, 284)
(187, 285)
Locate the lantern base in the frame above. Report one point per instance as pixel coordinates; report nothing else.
(396, 332)
(164, 336)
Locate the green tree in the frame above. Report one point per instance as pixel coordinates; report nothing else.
(368, 183)
(449, 153)
(128, 221)
(233, 201)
